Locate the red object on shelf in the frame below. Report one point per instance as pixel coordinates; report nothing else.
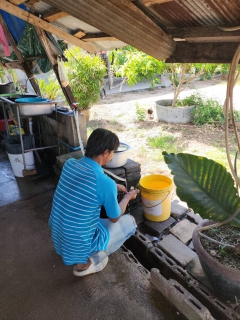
(3, 124)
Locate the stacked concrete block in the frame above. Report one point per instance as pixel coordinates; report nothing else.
(65, 128)
(131, 171)
(180, 297)
(183, 281)
(60, 160)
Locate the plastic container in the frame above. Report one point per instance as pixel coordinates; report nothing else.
(120, 156)
(6, 88)
(156, 193)
(13, 143)
(31, 100)
(3, 124)
(16, 161)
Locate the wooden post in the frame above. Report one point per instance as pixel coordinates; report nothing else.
(53, 60)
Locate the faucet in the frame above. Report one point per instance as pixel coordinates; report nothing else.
(26, 88)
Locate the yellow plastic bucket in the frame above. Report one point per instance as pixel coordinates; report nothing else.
(156, 191)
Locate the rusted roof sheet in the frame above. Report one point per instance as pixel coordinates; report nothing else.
(195, 13)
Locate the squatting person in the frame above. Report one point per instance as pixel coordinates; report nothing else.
(79, 235)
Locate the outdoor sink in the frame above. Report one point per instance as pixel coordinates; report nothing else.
(35, 109)
(29, 105)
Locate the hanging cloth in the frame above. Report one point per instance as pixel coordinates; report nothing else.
(4, 42)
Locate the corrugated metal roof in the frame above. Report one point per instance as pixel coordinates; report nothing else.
(153, 26)
(194, 13)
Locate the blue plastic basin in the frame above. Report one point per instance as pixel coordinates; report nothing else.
(31, 100)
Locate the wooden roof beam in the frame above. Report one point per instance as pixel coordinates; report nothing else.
(204, 34)
(26, 16)
(149, 3)
(101, 36)
(79, 34)
(55, 15)
(203, 52)
(17, 2)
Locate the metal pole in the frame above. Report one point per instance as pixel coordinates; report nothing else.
(6, 119)
(110, 79)
(59, 151)
(20, 134)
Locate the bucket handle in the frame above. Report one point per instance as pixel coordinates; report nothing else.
(158, 203)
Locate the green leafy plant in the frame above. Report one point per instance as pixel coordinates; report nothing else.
(51, 89)
(86, 75)
(141, 112)
(206, 186)
(165, 142)
(161, 142)
(207, 111)
(194, 99)
(135, 66)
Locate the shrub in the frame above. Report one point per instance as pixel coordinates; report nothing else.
(86, 75)
(141, 112)
(207, 111)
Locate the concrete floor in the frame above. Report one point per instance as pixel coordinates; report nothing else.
(36, 285)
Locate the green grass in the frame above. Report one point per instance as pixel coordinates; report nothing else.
(165, 143)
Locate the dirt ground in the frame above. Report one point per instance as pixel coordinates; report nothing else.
(118, 113)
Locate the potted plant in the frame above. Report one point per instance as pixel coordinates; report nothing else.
(180, 75)
(86, 75)
(211, 191)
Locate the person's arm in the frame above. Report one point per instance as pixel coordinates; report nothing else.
(124, 202)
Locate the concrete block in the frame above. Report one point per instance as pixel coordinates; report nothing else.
(178, 208)
(176, 250)
(195, 217)
(162, 257)
(183, 230)
(184, 301)
(140, 245)
(60, 160)
(132, 166)
(156, 228)
(66, 128)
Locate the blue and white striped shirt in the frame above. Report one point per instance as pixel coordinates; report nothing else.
(74, 221)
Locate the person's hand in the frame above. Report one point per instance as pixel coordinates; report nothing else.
(132, 194)
(121, 188)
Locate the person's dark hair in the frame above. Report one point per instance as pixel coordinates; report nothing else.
(99, 141)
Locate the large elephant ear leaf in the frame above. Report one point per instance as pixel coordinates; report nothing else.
(205, 186)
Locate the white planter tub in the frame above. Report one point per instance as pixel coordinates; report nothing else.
(164, 112)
